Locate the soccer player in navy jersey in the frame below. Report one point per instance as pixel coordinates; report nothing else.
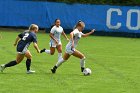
(22, 42)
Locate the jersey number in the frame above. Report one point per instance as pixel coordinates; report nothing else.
(26, 35)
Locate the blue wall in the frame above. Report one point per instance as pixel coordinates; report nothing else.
(101, 17)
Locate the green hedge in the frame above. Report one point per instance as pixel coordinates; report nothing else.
(110, 2)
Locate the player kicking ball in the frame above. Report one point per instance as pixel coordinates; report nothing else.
(75, 36)
(22, 42)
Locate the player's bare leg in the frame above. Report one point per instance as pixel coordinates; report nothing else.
(51, 51)
(19, 58)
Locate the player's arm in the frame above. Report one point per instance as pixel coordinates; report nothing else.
(63, 33)
(16, 41)
(36, 47)
(52, 36)
(18, 38)
(89, 33)
(71, 37)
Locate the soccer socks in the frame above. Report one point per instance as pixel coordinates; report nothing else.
(82, 63)
(60, 62)
(12, 63)
(28, 64)
(59, 56)
(57, 65)
(47, 51)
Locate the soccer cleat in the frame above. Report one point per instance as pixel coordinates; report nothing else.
(53, 71)
(30, 72)
(82, 69)
(2, 67)
(43, 50)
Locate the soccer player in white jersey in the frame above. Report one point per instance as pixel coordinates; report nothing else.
(55, 41)
(75, 35)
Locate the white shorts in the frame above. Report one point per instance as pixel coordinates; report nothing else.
(24, 51)
(69, 50)
(53, 44)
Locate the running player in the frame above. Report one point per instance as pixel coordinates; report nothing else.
(22, 42)
(75, 35)
(55, 41)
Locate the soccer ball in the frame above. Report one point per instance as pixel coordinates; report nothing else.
(87, 71)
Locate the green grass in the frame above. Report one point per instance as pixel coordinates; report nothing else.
(114, 61)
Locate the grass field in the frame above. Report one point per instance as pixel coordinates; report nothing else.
(114, 61)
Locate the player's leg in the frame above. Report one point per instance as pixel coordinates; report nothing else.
(78, 54)
(19, 58)
(65, 57)
(28, 55)
(59, 49)
(50, 51)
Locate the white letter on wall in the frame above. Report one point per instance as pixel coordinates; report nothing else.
(128, 22)
(108, 22)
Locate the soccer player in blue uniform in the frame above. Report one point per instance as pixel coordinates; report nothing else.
(22, 42)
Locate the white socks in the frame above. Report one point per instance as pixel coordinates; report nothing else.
(82, 62)
(59, 56)
(60, 62)
(47, 51)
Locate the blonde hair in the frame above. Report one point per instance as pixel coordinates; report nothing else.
(33, 27)
(80, 23)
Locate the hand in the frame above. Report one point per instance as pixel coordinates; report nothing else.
(93, 30)
(67, 39)
(56, 42)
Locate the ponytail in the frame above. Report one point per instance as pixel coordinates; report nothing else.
(79, 23)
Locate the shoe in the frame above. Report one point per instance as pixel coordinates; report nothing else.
(2, 67)
(43, 50)
(82, 69)
(30, 72)
(53, 71)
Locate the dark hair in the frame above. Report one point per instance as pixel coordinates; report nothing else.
(54, 23)
(56, 20)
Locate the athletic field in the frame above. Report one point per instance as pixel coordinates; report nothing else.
(114, 61)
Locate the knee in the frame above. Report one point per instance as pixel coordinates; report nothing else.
(83, 58)
(29, 57)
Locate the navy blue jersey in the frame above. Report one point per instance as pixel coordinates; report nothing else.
(26, 39)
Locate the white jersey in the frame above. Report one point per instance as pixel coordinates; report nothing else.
(77, 35)
(56, 31)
